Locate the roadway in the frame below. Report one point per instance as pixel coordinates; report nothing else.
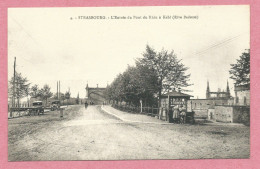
(91, 134)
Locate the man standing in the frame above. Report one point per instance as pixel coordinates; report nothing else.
(86, 104)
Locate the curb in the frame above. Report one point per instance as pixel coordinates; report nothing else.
(130, 121)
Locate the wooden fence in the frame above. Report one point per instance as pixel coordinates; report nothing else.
(17, 110)
(151, 111)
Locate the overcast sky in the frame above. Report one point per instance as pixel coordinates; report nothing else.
(49, 46)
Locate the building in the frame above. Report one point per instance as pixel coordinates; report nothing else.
(170, 100)
(201, 106)
(219, 94)
(242, 94)
(238, 111)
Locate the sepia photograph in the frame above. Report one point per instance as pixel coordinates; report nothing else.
(129, 83)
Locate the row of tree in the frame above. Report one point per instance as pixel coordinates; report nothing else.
(153, 75)
(20, 87)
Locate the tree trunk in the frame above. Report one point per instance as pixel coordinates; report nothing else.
(28, 103)
(160, 94)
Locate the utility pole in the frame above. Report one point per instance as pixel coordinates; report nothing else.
(59, 91)
(13, 102)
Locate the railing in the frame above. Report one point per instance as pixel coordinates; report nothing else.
(151, 111)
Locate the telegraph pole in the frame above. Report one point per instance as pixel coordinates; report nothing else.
(13, 100)
(14, 83)
(57, 91)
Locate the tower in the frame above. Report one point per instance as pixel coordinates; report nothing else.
(207, 91)
(228, 91)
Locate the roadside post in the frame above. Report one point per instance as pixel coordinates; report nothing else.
(61, 112)
(141, 102)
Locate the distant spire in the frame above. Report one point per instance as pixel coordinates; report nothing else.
(208, 90)
(228, 87)
(228, 90)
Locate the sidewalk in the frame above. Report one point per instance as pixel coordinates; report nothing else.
(132, 118)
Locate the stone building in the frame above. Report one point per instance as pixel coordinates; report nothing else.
(242, 95)
(201, 106)
(219, 94)
(238, 111)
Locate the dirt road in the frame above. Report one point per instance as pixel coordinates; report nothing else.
(94, 135)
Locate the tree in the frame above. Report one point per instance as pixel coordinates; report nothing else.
(27, 93)
(34, 91)
(136, 83)
(77, 99)
(240, 72)
(55, 96)
(22, 86)
(45, 93)
(62, 97)
(143, 84)
(67, 96)
(152, 75)
(170, 72)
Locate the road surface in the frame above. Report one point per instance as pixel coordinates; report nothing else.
(94, 135)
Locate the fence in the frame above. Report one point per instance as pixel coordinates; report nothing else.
(150, 111)
(18, 110)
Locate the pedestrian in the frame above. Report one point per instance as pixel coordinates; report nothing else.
(183, 115)
(176, 114)
(86, 105)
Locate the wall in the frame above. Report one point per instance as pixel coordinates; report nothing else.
(233, 114)
(211, 114)
(242, 97)
(201, 106)
(241, 114)
(224, 113)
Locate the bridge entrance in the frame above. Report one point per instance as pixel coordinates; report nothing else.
(95, 95)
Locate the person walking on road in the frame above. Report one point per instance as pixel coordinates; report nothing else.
(86, 105)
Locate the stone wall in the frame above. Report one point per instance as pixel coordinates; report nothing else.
(211, 114)
(224, 114)
(233, 114)
(242, 97)
(201, 106)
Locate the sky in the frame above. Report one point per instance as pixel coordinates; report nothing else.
(52, 44)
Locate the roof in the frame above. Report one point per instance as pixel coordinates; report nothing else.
(242, 87)
(176, 94)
